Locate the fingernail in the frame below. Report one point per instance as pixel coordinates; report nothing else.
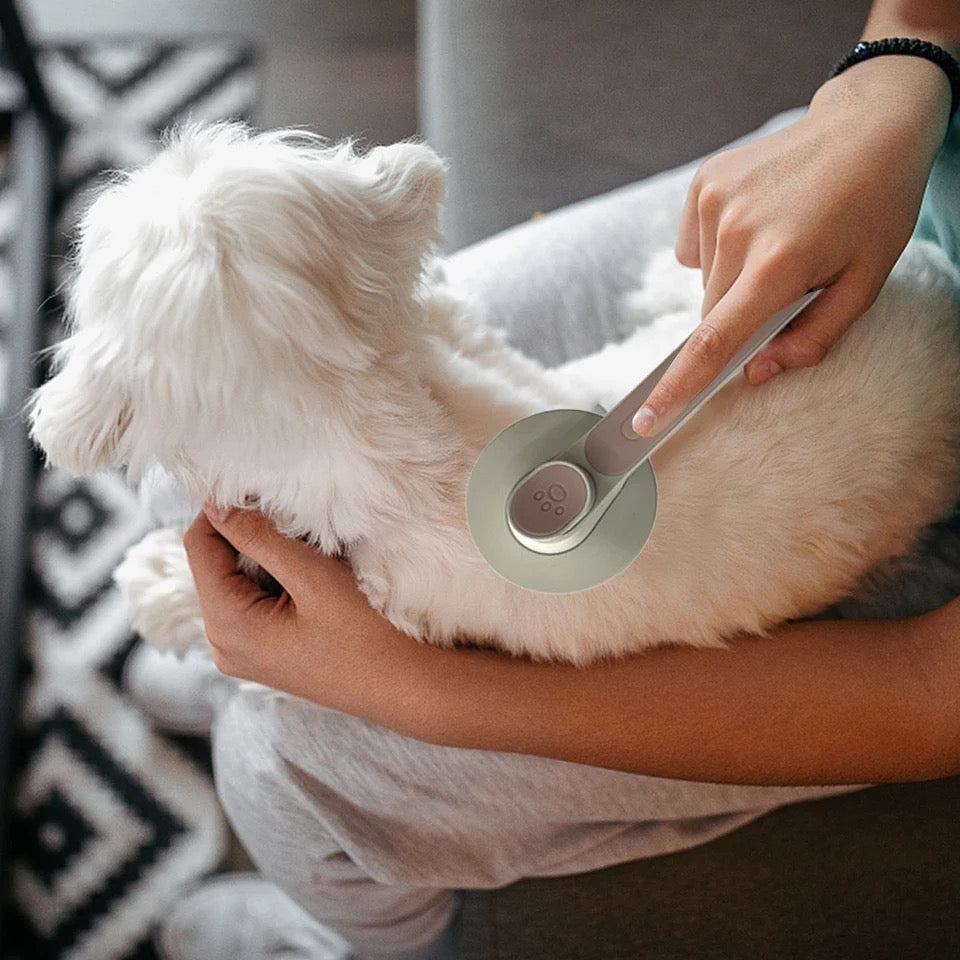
(761, 372)
(215, 512)
(643, 421)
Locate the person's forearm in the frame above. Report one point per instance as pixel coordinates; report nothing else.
(904, 99)
(820, 702)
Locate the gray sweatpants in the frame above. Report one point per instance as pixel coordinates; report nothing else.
(371, 832)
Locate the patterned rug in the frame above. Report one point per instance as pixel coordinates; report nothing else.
(111, 820)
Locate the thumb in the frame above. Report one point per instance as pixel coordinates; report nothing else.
(809, 338)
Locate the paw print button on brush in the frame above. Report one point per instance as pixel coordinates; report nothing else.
(552, 498)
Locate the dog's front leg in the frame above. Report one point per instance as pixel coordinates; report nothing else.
(155, 580)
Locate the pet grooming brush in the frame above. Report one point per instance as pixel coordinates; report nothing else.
(564, 500)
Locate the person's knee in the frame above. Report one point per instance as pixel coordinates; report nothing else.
(252, 778)
(290, 774)
(336, 796)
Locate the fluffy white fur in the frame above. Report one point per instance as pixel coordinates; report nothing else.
(264, 317)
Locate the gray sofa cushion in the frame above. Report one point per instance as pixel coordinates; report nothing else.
(539, 103)
(556, 283)
(868, 876)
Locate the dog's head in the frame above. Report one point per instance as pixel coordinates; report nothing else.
(233, 271)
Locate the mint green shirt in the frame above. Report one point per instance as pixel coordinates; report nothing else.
(939, 219)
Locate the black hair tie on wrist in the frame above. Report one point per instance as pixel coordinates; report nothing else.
(867, 50)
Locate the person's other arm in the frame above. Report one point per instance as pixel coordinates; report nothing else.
(817, 702)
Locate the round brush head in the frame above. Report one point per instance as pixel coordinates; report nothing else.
(609, 548)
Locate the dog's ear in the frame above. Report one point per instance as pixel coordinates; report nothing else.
(80, 417)
(410, 186)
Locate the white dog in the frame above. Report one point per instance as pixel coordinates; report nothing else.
(262, 315)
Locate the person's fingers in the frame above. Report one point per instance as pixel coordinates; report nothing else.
(709, 211)
(235, 609)
(213, 563)
(249, 532)
(687, 247)
(726, 266)
(809, 338)
(706, 201)
(751, 300)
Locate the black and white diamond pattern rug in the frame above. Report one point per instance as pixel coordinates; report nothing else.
(111, 820)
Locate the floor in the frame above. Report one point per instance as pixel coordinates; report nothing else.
(341, 68)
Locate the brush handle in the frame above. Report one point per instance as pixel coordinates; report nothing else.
(612, 448)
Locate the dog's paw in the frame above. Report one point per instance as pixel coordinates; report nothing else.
(155, 580)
